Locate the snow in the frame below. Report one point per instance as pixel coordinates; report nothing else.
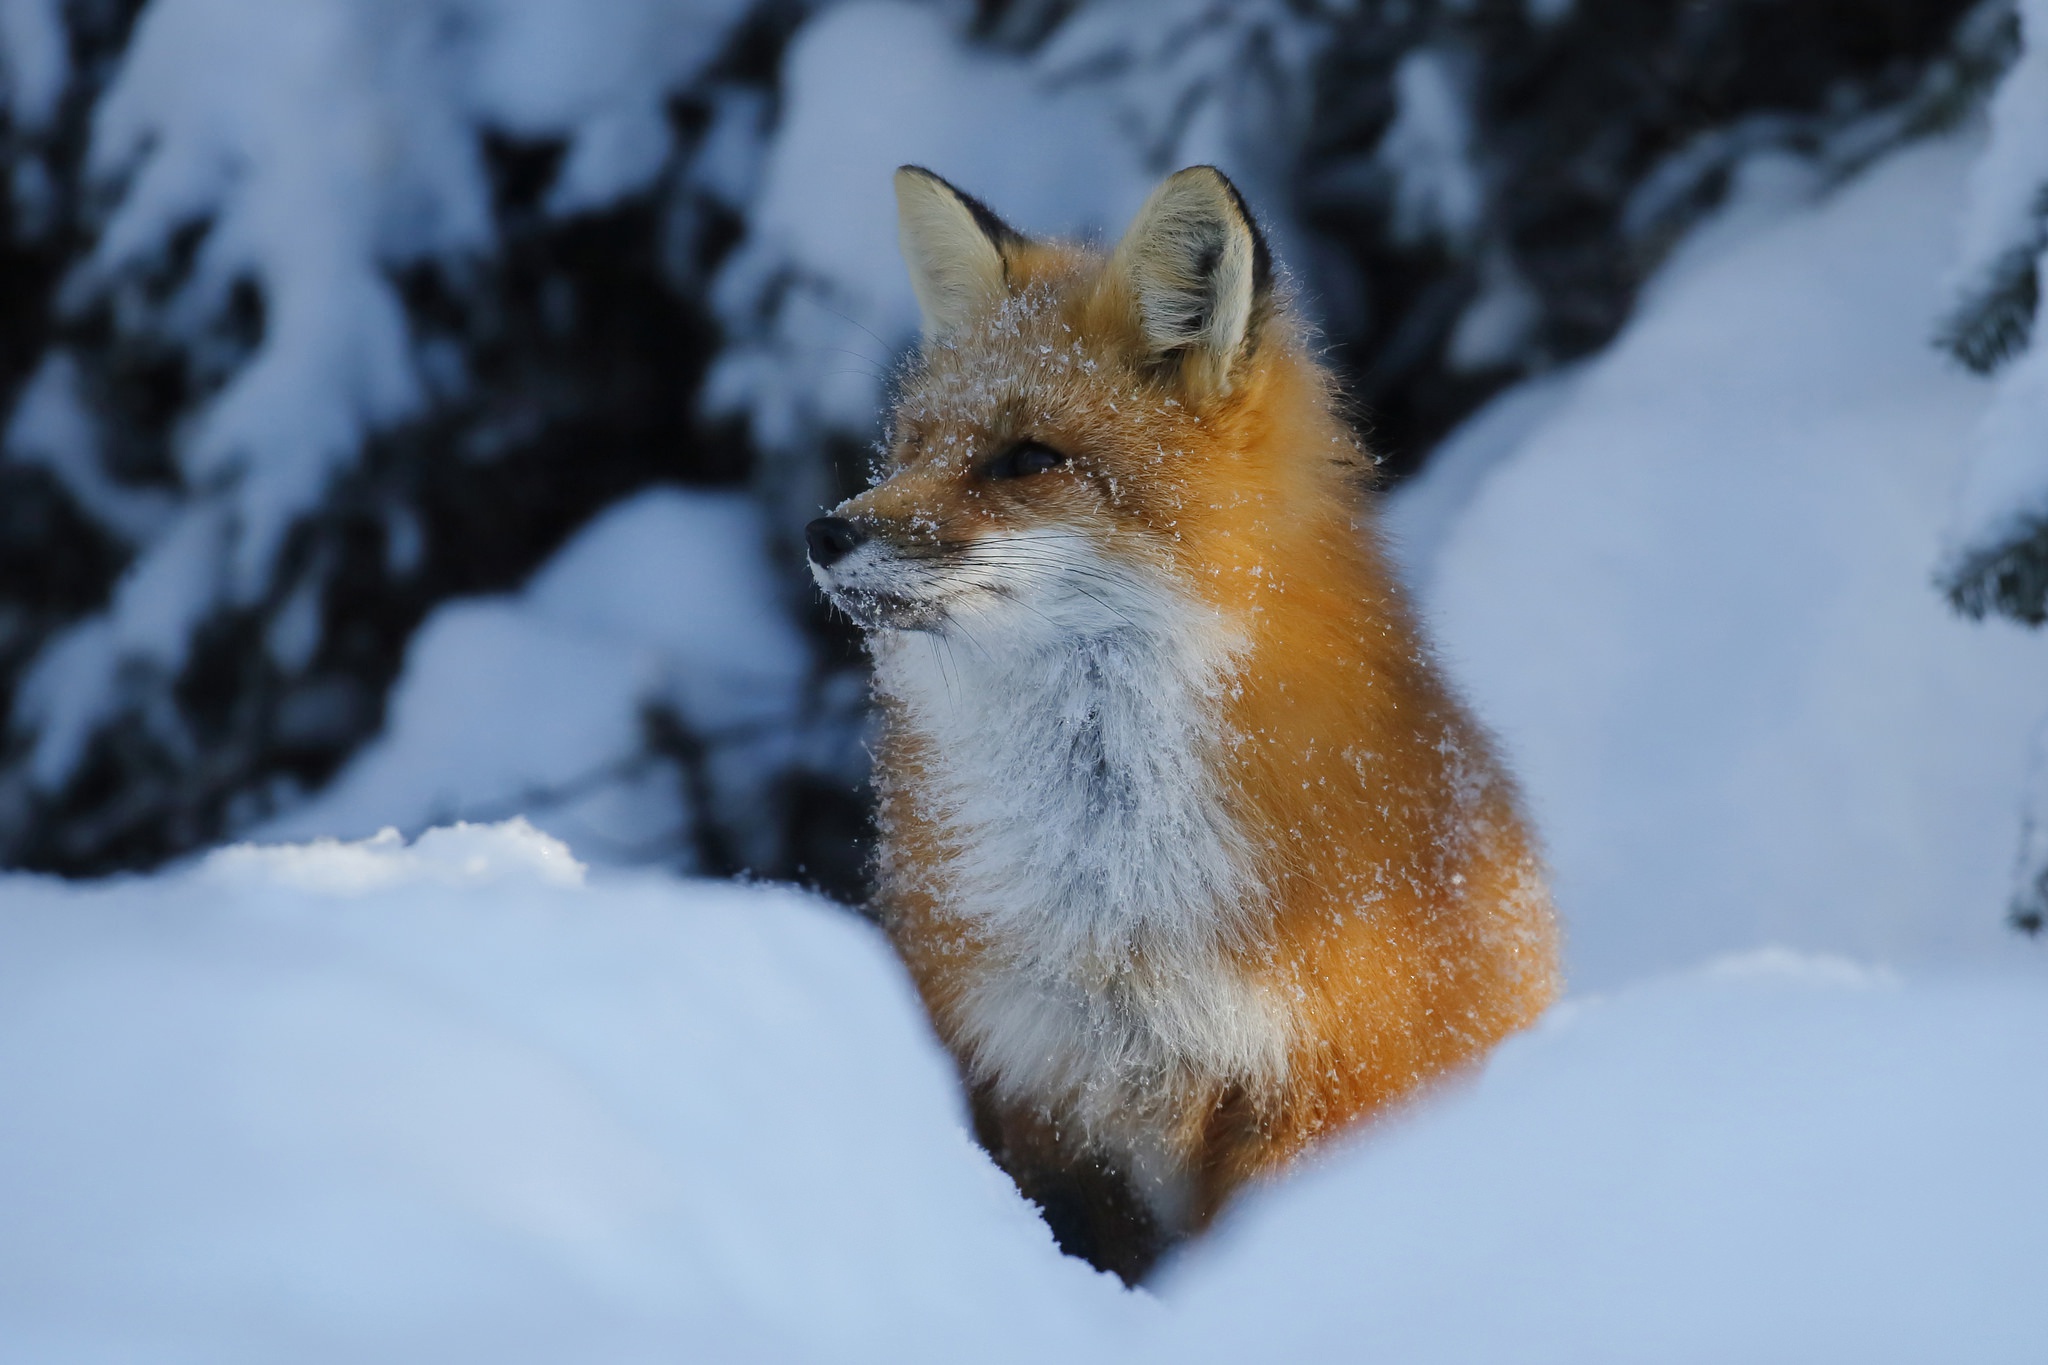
(35, 60)
(446, 1103)
(1774, 1159)
(534, 703)
(2006, 227)
(2005, 183)
(322, 148)
(817, 294)
(52, 427)
(465, 1099)
(1694, 600)
(454, 855)
(1195, 82)
(1066, 143)
(322, 144)
(2006, 492)
(686, 573)
(1417, 520)
(1428, 152)
(1494, 328)
(478, 1094)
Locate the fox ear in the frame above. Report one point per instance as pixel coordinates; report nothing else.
(955, 248)
(1199, 275)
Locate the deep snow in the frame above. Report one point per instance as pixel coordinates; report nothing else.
(466, 1100)
(451, 1103)
(1776, 1158)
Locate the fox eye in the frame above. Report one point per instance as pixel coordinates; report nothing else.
(1023, 460)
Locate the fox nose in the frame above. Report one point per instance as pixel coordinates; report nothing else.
(832, 539)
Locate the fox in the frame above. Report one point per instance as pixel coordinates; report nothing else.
(1191, 852)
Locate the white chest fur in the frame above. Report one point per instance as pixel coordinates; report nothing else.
(1071, 769)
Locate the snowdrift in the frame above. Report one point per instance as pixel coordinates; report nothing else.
(447, 1102)
(1776, 1158)
(461, 1100)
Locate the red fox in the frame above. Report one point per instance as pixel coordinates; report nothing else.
(1192, 854)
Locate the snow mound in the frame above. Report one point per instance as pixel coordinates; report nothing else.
(475, 1110)
(454, 855)
(455, 1101)
(1775, 1159)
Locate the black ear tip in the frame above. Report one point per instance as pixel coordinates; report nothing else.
(1262, 255)
(992, 227)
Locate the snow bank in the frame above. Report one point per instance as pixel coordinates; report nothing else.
(1776, 1159)
(461, 1100)
(1692, 594)
(536, 703)
(371, 1102)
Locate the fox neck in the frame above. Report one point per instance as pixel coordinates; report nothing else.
(1075, 777)
(1075, 784)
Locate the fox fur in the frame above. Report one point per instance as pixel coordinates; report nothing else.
(1190, 850)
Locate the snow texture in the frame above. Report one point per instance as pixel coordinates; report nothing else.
(819, 299)
(445, 1103)
(2005, 183)
(313, 151)
(52, 426)
(322, 144)
(1428, 152)
(1693, 599)
(535, 703)
(35, 61)
(460, 1101)
(2005, 233)
(1778, 1158)
(1200, 82)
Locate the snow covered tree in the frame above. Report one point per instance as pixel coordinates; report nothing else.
(1490, 181)
(364, 305)
(345, 336)
(1998, 555)
(1996, 560)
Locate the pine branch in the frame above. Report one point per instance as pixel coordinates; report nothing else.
(1994, 324)
(2009, 578)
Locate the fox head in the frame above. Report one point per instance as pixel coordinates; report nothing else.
(1081, 430)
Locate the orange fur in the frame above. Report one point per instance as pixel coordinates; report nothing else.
(1401, 926)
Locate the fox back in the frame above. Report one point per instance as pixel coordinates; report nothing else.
(1191, 852)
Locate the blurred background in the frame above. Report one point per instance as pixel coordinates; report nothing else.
(412, 404)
